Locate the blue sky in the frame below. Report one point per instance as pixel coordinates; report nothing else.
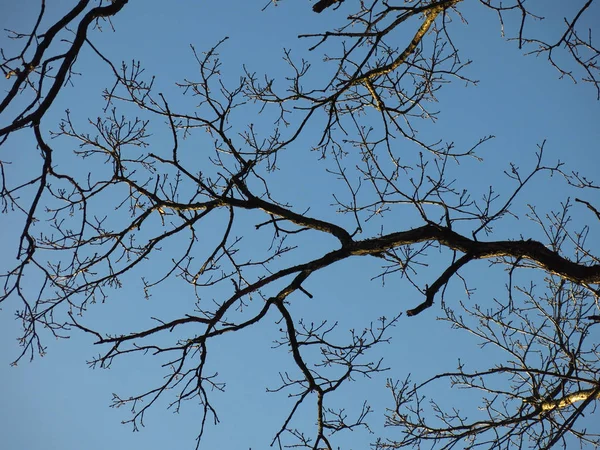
(58, 402)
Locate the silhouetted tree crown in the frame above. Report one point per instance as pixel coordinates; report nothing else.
(220, 215)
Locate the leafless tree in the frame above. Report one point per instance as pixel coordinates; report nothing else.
(130, 205)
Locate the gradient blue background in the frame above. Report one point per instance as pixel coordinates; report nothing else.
(57, 402)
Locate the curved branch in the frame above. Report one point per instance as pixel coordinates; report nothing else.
(534, 251)
(69, 58)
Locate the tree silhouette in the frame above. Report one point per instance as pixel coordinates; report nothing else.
(127, 204)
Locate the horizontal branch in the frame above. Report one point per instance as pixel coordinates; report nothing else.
(567, 400)
(531, 250)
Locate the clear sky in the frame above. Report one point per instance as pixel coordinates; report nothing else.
(57, 402)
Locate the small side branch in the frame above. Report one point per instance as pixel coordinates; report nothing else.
(439, 283)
